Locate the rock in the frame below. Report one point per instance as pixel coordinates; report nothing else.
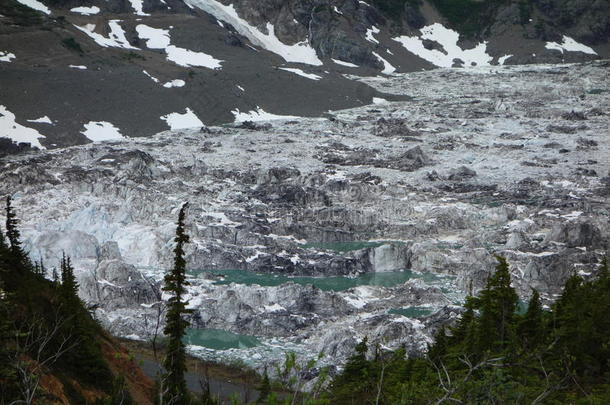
(574, 116)
(461, 173)
(575, 234)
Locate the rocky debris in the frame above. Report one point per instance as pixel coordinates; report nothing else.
(576, 234)
(393, 127)
(461, 173)
(574, 116)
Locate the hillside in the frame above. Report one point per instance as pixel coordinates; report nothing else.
(72, 71)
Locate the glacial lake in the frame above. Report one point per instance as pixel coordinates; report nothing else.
(335, 283)
(413, 312)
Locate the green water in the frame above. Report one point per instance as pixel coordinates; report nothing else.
(337, 283)
(218, 339)
(412, 312)
(342, 246)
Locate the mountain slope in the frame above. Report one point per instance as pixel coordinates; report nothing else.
(74, 71)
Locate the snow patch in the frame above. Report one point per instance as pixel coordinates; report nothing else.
(6, 56)
(448, 39)
(342, 63)
(174, 83)
(36, 5)
(387, 67)
(570, 45)
(158, 38)
(81, 67)
(258, 115)
(116, 36)
(42, 120)
(369, 34)
(301, 73)
(85, 10)
(138, 6)
(274, 308)
(16, 132)
(182, 121)
(186, 58)
(99, 131)
(503, 59)
(301, 52)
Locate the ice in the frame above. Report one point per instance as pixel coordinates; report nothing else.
(387, 67)
(6, 56)
(16, 132)
(42, 120)
(301, 73)
(116, 37)
(258, 115)
(81, 67)
(301, 52)
(570, 45)
(36, 5)
(342, 63)
(138, 6)
(99, 131)
(85, 10)
(448, 39)
(182, 121)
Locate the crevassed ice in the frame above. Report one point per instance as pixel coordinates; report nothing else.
(16, 132)
(258, 115)
(570, 45)
(301, 52)
(448, 39)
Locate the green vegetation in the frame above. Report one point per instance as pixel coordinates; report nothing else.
(495, 355)
(72, 45)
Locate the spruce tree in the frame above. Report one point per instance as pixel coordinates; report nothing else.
(531, 328)
(173, 384)
(3, 245)
(69, 286)
(264, 389)
(14, 236)
(497, 304)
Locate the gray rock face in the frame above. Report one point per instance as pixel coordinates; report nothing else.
(576, 234)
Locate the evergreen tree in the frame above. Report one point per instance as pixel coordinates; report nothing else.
(173, 385)
(264, 389)
(3, 245)
(531, 328)
(69, 286)
(14, 236)
(497, 304)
